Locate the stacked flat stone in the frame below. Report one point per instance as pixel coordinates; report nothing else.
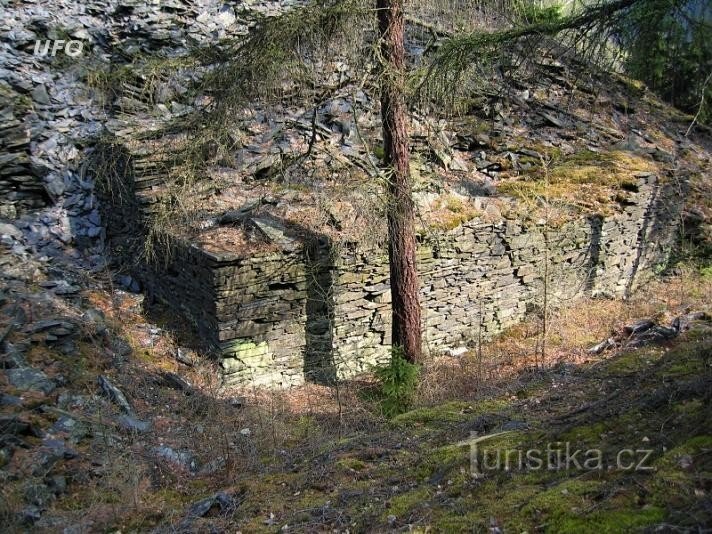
(321, 310)
(20, 188)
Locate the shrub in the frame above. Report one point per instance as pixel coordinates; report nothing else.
(397, 382)
(533, 14)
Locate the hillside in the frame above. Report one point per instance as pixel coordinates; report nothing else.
(173, 450)
(196, 306)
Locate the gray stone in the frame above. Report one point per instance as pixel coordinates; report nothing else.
(120, 347)
(602, 346)
(114, 394)
(15, 426)
(57, 484)
(514, 425)
(74, 430)
(38, 495)
(129, 283)
(55, 187)
(12, 358)
(182, 457)
(11, 230)
(131, 424)
(639, 327)
(40, 94)
(10, 400)
(30, 515)
(64, 288)
(225, 502)
(30, 379)
(55, 327)
(95, 319)
(174, 381)
(184, 356)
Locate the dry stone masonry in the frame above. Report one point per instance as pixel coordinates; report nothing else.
(319, 310)
(53, 106)
(19, 186)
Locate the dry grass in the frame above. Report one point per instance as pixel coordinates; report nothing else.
(572, 330)
(586, 181)
(117, 482)
(449, 211)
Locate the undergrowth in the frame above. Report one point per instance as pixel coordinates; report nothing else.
(397, 382)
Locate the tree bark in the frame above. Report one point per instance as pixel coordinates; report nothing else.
(400, 211)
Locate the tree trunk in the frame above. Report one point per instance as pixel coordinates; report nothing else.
(401, 221)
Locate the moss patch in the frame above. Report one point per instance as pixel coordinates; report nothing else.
(401, 505)
(634, 361)
(588, 181)
(449, 412)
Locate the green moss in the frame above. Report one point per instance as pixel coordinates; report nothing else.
(608, 522)
(636, 87)
(587, 434)
(634, 361)
(441, 461)
(613, 169)
(690, 447)
(562, 503)
(449, 412)
(690, 407)
(472, 521)
(510, 440)
(450, 454)
(565, 508)
(564, 494)
(85, 497)
(519, 507)
(450, 211)
(310, 499)
(684, 368)
(401, 505)
(498, 499)
(170, 498)
(352, 464)
(589, 181)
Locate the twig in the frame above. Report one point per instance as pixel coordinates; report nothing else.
(702, 103)
(432, 28)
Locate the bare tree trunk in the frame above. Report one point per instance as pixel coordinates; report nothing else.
(401, 220)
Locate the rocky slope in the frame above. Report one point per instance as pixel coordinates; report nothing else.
(53, 113)
(107, 420)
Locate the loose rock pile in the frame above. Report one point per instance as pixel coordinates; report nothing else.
(54, 108)
(646, 332)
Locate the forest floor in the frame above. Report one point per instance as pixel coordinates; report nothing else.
(180, 453)
(640, 418)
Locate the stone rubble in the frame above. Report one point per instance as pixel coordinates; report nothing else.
(53, 112)
(57, 412)
(269, 313)
(646, 332)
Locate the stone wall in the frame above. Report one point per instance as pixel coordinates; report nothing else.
(321, 310)
(483, 277)
(20, 186)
